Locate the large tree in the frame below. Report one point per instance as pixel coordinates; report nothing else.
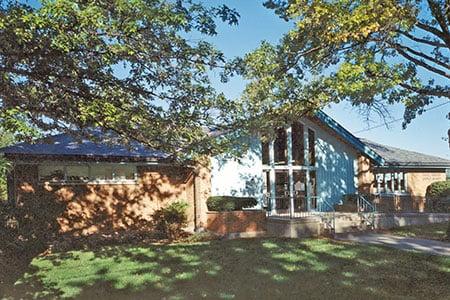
(370, 52)
(134, 67)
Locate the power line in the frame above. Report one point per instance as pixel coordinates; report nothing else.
(399, 119)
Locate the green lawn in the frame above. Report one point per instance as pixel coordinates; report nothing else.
(243, 269)
(431, 231)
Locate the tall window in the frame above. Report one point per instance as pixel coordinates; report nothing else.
(280, 147)
(298, 144)
(265, 153)
(282, 189)
(393, 182)
(311, 147)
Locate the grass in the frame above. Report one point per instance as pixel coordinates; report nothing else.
(435, 231)
(240, 269)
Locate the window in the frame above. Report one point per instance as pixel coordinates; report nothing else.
(124, 172)
(52, 173)
(280, 147)
(281, 189)
(311, 147)
(77, 173)
(391, 182)
(102, 172)
(94, 172)
(265, 153)
(298, 144)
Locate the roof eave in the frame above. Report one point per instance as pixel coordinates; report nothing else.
(350, 138)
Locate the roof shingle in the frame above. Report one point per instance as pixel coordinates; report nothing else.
(64, 144)
(405, 158)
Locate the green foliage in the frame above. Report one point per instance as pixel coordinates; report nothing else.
(439, 189)
(438, 196)
(6, 139)
(369, 52)
(171, 220)
(230, 203)
(130, 66)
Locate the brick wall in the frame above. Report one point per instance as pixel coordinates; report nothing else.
(417, 182)
(228, 222)
(91, 208)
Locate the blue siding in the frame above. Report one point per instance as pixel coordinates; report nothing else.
(336, 165)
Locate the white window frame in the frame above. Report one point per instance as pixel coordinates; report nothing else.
(383, 190)
(289, 167)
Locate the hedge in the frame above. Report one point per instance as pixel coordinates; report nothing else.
(439, 189)
(230, 203)
(438, 196)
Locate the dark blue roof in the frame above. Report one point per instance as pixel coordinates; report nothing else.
(350, 138)
(64, 144)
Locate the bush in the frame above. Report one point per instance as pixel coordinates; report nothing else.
(230, 203)
(439, 189)
(438, 195)
(171, 220)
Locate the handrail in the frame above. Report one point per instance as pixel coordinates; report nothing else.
(363, 205)
(326, 208)
(367, 210)
(320, 204)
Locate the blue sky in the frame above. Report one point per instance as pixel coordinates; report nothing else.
(425, 134)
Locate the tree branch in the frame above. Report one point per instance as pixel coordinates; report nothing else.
(427, 92)
(421, 54)
(421, 62)
(420, 40)
(435, 31)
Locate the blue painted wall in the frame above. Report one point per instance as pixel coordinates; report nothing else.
(336, 164)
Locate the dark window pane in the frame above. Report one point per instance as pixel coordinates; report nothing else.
(312, 148)
(281, 189)
(265, 153)
(280, 147)
(300, 190)
(298, 145)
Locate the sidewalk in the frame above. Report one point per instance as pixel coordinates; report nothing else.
(403, 243)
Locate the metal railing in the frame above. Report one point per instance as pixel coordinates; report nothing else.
(327, 214)
(366, 210)
(318, 208)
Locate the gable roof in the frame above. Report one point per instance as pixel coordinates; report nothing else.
(396, 157)
(349, 137)
(65, 145)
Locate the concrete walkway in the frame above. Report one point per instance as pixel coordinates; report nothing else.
(403, 243)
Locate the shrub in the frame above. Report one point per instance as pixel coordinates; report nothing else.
(439, 189)
(171, 220)
(229, 203)
(438, 195)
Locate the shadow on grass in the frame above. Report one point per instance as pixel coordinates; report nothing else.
(253, 268)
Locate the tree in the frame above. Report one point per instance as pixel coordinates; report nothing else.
(127, 66)
(369, 52)
(6, 139)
